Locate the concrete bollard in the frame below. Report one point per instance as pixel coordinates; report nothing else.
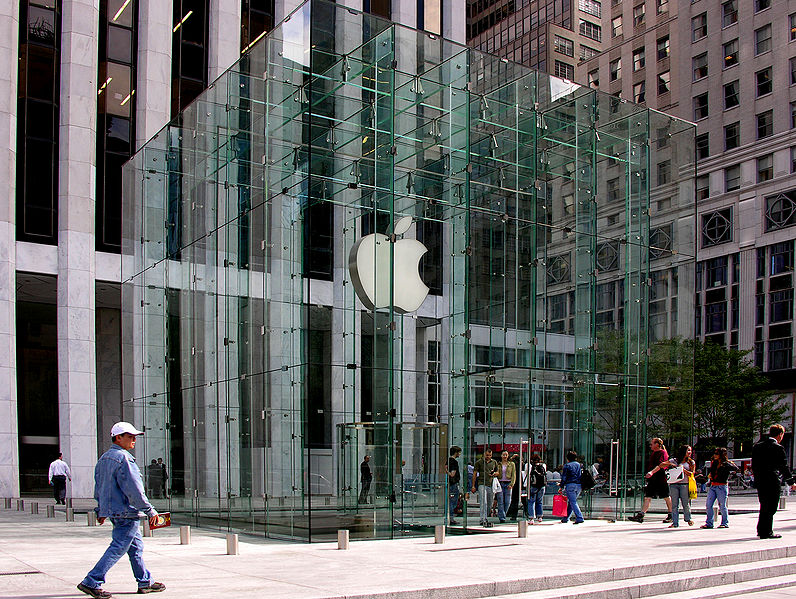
(783, 503)
(715, 514)
(7, 503)
(20, 505)
(34, 508)
(185, 535)
(91, 518)
(439, 534)
(232, 544)
(522, 529)
(70, 514)
(147, 530)
(342, 539)
(51, 511)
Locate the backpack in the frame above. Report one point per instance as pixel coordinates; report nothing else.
(537, 476)
(586, 479)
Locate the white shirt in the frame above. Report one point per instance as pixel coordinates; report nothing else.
(59, 468)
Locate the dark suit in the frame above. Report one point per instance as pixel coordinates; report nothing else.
(768, 463)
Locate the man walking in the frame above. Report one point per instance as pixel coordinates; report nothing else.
(120, 496)
(485, 471)
(454, 477)
(768, 463)
(365, 477)
(58, 474)
(164, 476)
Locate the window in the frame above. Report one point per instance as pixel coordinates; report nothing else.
(717, 227)
(780, 354)
(591, 7)
(257, 18)
(781, 211)
(662, 6)
(612, 189)
(765, 168)
(189, 52)
(594, 79)
(638, 59)
(701, 106)
(615, 69)
(699, 27)
(616, 26)
(729, 13)
(764, 84)
(792, 23)
(663, 82)
(793, 159)
(732, 136)
(663, 47)
(702, 145)
(762, 39)
(793, 71)
(703, 187)
(664, 172)
(700, 66)
(732, 94)
(732, 178)
(730, 53)
(639, 92)
(762, 5)
(587, 52)
(591, 30)
(638, 15)
(564, 70)
(564, 46)
(765, 124)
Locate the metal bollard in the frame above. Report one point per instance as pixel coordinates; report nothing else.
(70, 514)
(185, 535)
(20, 505)
(69, 502)
(783, 503)
(147, 529)
(91, 518)
(439, 534)
(522, 529)
(51, 511)
(34, 508)
(232, 544)
(342, 539)
(7, 503)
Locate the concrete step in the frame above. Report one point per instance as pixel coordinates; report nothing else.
(646, 583)
(733, 590)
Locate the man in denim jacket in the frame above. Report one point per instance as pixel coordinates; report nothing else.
(119, 491)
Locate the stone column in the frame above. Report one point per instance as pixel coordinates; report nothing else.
(77, 415)
(224, 47)
(153, 96)
(9, 434)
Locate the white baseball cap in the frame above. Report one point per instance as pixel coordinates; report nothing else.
(124, 427)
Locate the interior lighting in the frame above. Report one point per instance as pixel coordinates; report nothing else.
(127, 99)
(104, 85)
(257, 39)
(120, 11)
(185, 18)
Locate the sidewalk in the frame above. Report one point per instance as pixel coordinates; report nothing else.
(46, 558)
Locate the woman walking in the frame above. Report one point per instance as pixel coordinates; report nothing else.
(680, 473)
(507, 475)
(657, 487)
(719, 473)
(570, 485)
(536, 478)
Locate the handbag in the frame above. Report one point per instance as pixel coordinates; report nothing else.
(560, 506)
(496, 488)
(692, 488)
(675, 475)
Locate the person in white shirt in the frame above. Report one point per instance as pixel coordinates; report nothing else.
(58, 474)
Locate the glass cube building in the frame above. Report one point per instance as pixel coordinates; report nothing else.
(364, 239)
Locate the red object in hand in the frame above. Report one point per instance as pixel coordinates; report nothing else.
(560, 506)
(161, 521)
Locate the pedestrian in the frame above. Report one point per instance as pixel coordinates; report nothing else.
(454, 477)
(768, 464)
(656, 487)
(515, 491)
(164, 476)
(153, 474)
(119, 491)
(680, 474)
(719, 473)
(570, 486)
(507, 476)
(59, 472)
(365, 478)
(485, 470)
(536, 483)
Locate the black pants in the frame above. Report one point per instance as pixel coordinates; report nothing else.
(363, 493)
(768, 495)
(59, 488)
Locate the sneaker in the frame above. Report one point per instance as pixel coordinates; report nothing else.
(639, 517)
(539, 520)
(674, 526)
(667, 519)
(98, 592)
(154, 587)
(724, 525)
(453, 522)
(690, 523)
(578, 522)
(705, 526)
(564, 520)
(530, 522)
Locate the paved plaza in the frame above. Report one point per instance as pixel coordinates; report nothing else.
(46, 558)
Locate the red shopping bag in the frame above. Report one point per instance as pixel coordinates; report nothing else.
(560, 506)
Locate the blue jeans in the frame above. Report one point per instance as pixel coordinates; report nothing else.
(535, 496)
(717, 492)
(572, 490)
(679, 494)
(126, 538)
(485, 496)
(453, 499)
(503, 500)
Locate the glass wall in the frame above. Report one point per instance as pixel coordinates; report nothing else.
(380, 227)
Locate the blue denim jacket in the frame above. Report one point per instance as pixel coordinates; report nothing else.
(570, 473)
(118, 486)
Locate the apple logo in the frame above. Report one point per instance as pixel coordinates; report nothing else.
(369, 266)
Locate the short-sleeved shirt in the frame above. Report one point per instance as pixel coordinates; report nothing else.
(453, 466)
